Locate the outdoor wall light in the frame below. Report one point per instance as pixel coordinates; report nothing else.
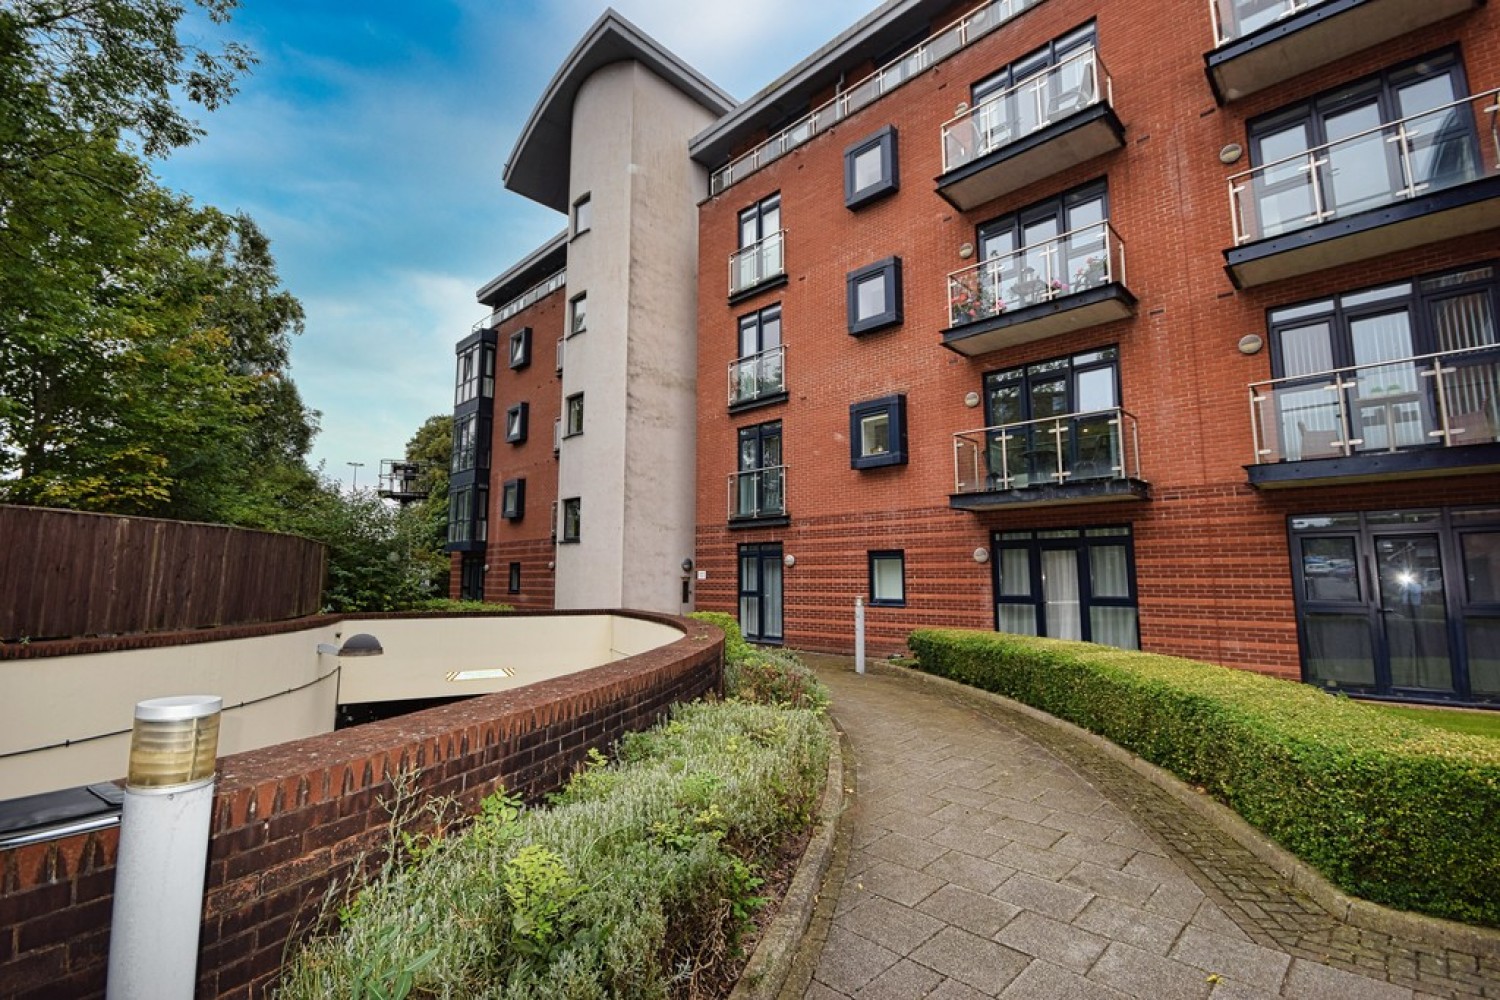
(981, 555)
(1251, 343)
(966, 250)
(687, 565)
(971, 400)
(1231, 153)
(362, 644)
(790, 561)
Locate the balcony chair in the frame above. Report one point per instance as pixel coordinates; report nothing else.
(1473, 427)
(1319, 444)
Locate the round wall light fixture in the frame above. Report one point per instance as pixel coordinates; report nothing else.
(1251, 343)
(971, 400)
(1231, 153)
(981, 555)
(966, 250)
(790, 560)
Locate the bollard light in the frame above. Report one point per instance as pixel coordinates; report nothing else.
(175, 741)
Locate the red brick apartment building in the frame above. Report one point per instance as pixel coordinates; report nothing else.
(1166, 324)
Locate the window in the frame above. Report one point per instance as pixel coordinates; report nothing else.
(874, 296)
(1062, 82)
(573, 410)
(476, 373)
(870, 168)
(1048, 249)
(760, 592)
(572, 515)
(758, 490)
(1063, 403)
(1366, 166)
(759, 258)
(760, 221)
(1067, 584)
(471, 442)
(468, 515)
(471, 576)
(1370, 337)
(520, 348)
(760, 331)
(888, 578)
(578, 313)
(877, 433)
(513, 580)
(583, 215)
(513, 500)
(515, 423)
(760, 374)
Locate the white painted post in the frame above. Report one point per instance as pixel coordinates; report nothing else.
(169, 794)
(859, 634)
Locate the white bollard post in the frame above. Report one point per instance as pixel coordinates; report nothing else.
(859, 634)
(169, 795)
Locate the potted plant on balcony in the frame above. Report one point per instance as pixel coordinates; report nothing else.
(1093, 272)
(967, 304)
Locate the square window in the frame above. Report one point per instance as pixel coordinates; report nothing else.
(515, 423)
(583, 215)
(578, 319)
(520, 348)
(870, 168)
(513, 582)
(572, 514)
(513, 502)
(877, 433)
(888, 578)
(874, 296)
(574, 418)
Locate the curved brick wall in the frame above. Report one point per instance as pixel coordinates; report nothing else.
(291, 820)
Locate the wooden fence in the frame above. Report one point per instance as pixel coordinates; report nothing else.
(65, 574)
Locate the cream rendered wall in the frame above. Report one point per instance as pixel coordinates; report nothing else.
(634, 464)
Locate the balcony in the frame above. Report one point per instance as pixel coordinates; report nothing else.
(758, 497)
(758, 380)
(758, 266)
(1430, 415)
(1035, 129)
(1074, 281)
(1422, 179)
(1263, 42)
(1073, 458)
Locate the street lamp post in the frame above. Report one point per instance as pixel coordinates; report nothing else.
(354, 479)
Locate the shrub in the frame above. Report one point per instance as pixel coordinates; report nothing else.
(735, 646)
(637, 882)
(445, 605)
(1392, 811)
(774, 677)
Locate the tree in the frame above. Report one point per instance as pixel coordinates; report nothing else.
(431, 447)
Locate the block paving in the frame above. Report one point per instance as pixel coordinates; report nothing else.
(995, 856)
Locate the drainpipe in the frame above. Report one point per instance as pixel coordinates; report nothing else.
(169, 794)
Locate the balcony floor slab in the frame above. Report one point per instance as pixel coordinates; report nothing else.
(1425, 463)
(1105, 304)
(1080, 137)
(1092, 491)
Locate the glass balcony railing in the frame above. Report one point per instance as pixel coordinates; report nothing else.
(760, 261)
(1238, 18)
(528, 298)
(1431, 401)
(1077, 82)
(1073, 262)
(758, 493)
(1053, 451)
(939, 46)
(1404, 159)
(758, 376)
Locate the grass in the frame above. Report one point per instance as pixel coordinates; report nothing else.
(1451, 720)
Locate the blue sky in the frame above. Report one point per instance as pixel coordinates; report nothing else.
(369, 144)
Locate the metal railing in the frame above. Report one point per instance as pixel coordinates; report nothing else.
(1073, 262)
(560, 350)
(1379, 166)
(1079, 81)
(758, 492)
(758, 262)
(1442, 400)
(557, 435)
(939, 46)
(1052, 451)
(1237, 18)
(757, 376)
(531, 296)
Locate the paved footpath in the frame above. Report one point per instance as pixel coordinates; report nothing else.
(995, 856)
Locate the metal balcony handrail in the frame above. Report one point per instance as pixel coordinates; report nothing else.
(1086, 60)
(1315, 157)
(756, 361)
(527, 298)
(938, 46)
(1103, 267)
(1221, 31)
(759, 249)
(1462, 352)
(777, 471)
(1129, 450)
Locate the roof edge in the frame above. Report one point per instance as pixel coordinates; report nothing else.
(526, 272)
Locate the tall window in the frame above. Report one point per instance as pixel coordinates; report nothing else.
(516, 419)
(760, 331)
(759, 483)
(1067, 584)
(1039, 88)
(578, 313)
(583, 215)
(760, 254)
(1046, 249)
(520, 348)
(471, 576)
(476, 373)
(513, 500)
(760, 220)
(513, 580)
(471, 446)
(573, 415)
(572, 519)
(760, 592)
(888, 578)
(468, 514)
(1053, 416)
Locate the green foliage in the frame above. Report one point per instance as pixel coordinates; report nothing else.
(1393, 811)
(735, 646)
(775, 677)
(448, 605)
(637, 882)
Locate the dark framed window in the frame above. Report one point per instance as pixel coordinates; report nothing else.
(871, 168)
(583, 215)
(573, 415)
(1024, 104)
(520, 348)
(760, 220)
(1058, 415)
(513, 579)
(578, 313)
(888, 578)
(760, 570)
(877, 433)
(516, 419)
(1071, 583)
(468, 514)
(1047, 249)
(761, 479)
(874, 296)
(471, 576)
(475, 378)
(471, 442)
(513, 500)
(572, 519)
(760, 331)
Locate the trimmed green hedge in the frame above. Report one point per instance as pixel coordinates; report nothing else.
(1394, 812)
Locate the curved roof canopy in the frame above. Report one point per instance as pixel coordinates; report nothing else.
(538, 165)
